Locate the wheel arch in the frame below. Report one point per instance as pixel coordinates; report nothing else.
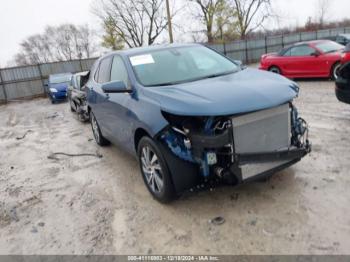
(271, 66)
(139, 133)
(333, 66)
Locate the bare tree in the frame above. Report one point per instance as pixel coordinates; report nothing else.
(211, 11)
(251, 14)
(135, 22)
(322, 8)
(64, 42)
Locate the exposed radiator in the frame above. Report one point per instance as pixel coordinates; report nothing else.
(263, 131)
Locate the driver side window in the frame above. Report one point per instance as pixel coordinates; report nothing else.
(301, 51)
(119, 72)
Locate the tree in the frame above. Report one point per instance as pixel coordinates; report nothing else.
(251, 14)
(135, 22)
(322, 11)
(64, 42)
(111, 38)
(211, 11)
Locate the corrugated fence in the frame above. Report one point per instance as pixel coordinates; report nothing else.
(28, 81)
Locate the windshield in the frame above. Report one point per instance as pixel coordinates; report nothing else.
(179, 65)
(329, 47)
(58, 79)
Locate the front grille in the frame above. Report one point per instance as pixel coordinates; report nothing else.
(61, 94)
(263, 131)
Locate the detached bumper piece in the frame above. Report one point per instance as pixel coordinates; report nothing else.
(252, 166)
(234, 149)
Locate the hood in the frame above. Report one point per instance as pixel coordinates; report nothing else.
(269, 55)
(60, 87)
(245, 91)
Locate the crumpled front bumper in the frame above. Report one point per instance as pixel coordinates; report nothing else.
(186, 175)
(243, 148)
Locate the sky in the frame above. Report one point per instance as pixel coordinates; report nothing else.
(22, 18)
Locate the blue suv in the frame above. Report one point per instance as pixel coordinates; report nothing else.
(192, 116)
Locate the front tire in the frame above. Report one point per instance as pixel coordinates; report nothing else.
(100, 140)
(72, 106)
(155, 172)
(335, 71)
(275, 69)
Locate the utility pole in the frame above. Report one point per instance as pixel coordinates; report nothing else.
(169, 22)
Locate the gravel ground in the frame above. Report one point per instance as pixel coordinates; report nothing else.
(91, 205)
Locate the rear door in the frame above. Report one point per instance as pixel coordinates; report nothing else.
(97, 98)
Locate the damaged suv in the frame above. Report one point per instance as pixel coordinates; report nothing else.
(191, 116)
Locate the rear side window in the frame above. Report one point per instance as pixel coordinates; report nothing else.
(103, 73)
(118, 72)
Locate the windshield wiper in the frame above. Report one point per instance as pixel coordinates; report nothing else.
(218, 75)
(165, 84)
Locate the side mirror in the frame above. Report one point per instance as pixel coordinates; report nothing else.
(115, 87)
(46, 83)
(315, 54)
(238, 62)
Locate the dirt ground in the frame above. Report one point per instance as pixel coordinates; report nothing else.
(90, 205)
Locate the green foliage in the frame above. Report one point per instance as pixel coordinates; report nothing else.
(111, 38)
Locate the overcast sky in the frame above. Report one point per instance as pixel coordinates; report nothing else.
(21, 18)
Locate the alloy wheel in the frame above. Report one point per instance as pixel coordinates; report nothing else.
(152, 170)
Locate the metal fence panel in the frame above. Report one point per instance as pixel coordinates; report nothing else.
(291, 39)
(255, 54)
(2, 94)
(24, 89)
(218, 47)
(87, 64)
(60, 67)
(258, 43)
(235, 46)
(19, 73)
(237, 55)
(307, 36)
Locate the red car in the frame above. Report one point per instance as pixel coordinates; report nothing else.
(321, 58)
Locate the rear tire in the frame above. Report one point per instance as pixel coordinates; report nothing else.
(154, 170)
(335, 71)
(275, 69)
(100, 140)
